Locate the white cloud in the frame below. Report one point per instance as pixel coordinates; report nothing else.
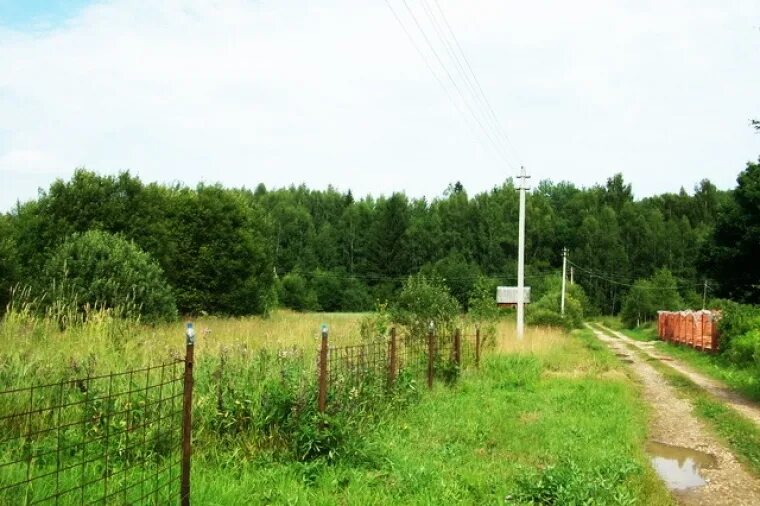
(332, 92)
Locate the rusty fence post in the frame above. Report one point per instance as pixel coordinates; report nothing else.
(392, 359)
(323, 371)
(458, 347)
(187, 412)
(431, 355)
(477, 346)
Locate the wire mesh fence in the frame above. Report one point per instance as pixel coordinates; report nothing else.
(109, 439)
(124, 438)
(442, 356)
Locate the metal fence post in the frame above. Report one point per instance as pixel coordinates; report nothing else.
(458, 347)
(187, 410)
(392, 359)
(477, 346)
(323, 371)
(431, 354)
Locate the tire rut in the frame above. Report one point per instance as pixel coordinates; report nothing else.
(718, 389)
(673, 422)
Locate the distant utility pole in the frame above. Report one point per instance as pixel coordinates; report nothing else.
(704, 295)
(572, 278)
(522, 187)
(564, 277)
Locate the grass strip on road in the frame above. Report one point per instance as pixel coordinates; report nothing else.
(741, 435)
(745, 380)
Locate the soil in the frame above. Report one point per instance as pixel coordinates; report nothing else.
(730, 397)
(673, 422)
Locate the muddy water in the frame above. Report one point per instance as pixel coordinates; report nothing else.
(678, 466)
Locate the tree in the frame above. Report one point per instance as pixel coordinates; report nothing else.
(104, 270)
(647, 296)
(423, 300)
(732, 255)
(457, 274)
(9, 268)
(225, 261)
(295, 293)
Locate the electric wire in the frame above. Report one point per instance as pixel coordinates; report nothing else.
(597, 274)
(488, 134)
(509, 146)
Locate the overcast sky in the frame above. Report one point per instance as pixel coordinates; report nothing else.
(334, 92)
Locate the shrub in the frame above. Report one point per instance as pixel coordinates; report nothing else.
(547, 310)
(101, 269)
(547, 317)
(739, 329)
(337, 291)
(457, 274)
(482, 308)
(423, 300)
(295, 293)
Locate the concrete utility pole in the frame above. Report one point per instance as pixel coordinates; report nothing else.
(572, 278)
(522, 187)
(564, 277)
(704, 295)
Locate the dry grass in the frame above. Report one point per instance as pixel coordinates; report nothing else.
(35, 344)
(117, 344)
(537, 340)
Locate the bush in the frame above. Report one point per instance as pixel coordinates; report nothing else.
(457, 274)
(336, 290)
(547, 310)
(482, 308)
(423, 300)
(295, 293)
(739, 329)
(101, 269)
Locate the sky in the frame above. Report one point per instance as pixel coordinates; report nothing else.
(283, 92)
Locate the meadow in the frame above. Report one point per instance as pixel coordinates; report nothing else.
(546, 420)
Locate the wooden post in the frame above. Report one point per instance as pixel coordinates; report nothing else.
(431, 355)
(477, 346)
(187, 411)
(392, 359)
(458, 348)
(323, 371)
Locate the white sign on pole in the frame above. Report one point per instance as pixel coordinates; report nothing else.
(508, 295)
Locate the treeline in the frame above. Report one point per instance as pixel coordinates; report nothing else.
(241, 251)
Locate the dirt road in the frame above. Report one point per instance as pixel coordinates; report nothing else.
(673, 422)
(744, 406)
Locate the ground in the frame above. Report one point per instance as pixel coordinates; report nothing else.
(555, 418)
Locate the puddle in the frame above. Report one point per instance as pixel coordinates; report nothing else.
(679, 467)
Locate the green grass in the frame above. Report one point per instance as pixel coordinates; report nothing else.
(551, 419)
(561, 427)
(741, 434)
(612, 322)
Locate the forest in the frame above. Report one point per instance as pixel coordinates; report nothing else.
(215, 250)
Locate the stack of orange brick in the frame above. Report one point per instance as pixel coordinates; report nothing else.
(697, 329)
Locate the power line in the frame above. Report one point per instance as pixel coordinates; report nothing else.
(500, 129)
(597, 274)
(443, 66)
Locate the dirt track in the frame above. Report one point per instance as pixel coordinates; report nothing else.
(674, 422)
(744, 406)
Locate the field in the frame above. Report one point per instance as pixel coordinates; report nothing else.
(549, 419)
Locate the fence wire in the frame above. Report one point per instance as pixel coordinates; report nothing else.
(109, 439)
(375, 361)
